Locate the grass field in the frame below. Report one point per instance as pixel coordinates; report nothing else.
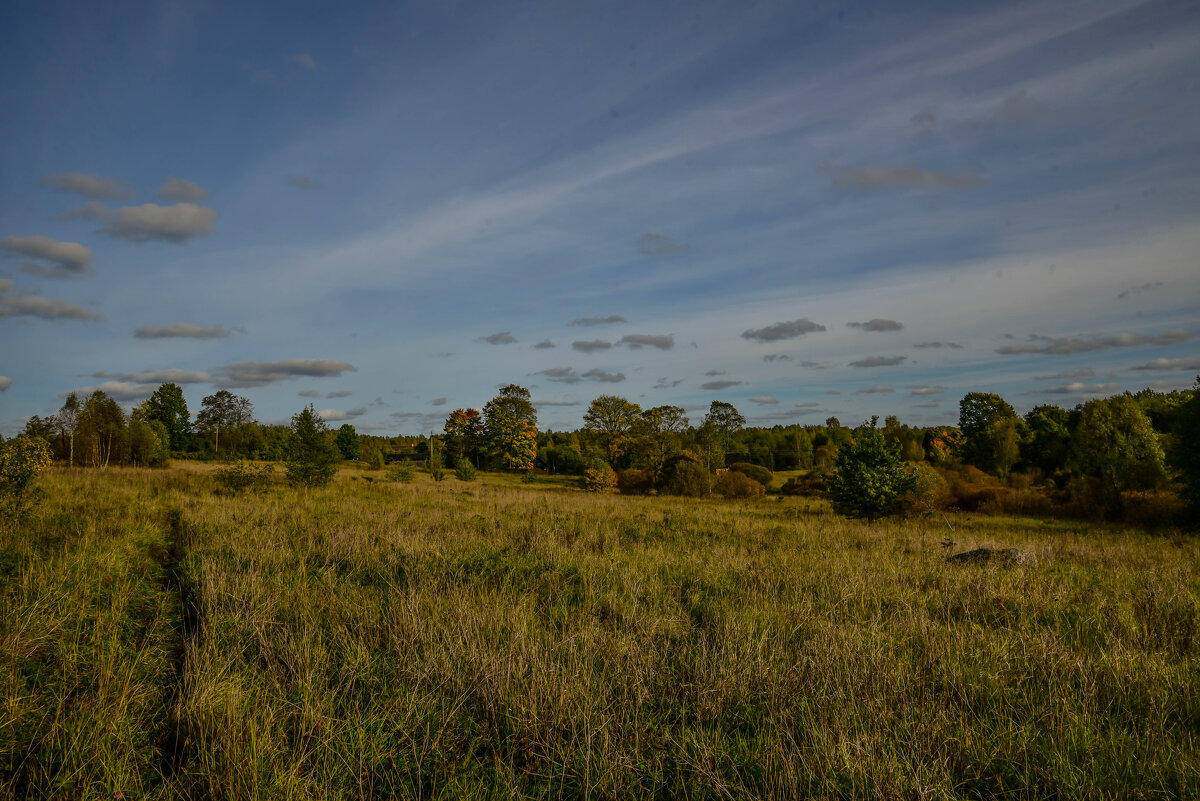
(162, 639)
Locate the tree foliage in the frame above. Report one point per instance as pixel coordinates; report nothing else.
(978, 417)
(1185, 452)
(613, 419)
(313, 458)
(22, 459)
(222, 411)
(869, 479)
(1115, 444)
(347, 442)
(510, 425)
(168, 406)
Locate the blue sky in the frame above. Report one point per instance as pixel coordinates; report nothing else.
(804, 209)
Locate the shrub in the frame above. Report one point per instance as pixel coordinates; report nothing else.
(22, 459)
(1152, 509)
(434, 466)
(313, 458)
(374, 459)
(403, 472)
(870, 479)
(690, 479)
(634, 482)
(243, 476)
(464, 470)
(930, 493)
(811, 483)
(599, 478)
(760, 474)
(735, 484)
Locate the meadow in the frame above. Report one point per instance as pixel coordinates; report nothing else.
(162, 637)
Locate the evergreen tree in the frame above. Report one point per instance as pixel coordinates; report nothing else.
(313, 458)
(869, 477)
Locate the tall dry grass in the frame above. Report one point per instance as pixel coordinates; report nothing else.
(492, 639)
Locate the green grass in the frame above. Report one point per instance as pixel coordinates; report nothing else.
(164, 638)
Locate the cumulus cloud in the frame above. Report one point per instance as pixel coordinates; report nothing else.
(336, 416)
(591, 346)
(5, 383)
(185, 330)
(498, 338)
(785, 330)
(563, 374)
(1079, 388)
(90, 185)
(609, 320)
(179, 190)
(438, 402)
(953, 345)
(877, 324)
(1021, 107)
(777, 357)
(1065, 345)
(636, 341)
(19, 305)
(873, 390)
(661, 245)
(604, 376)
(257, 374)
(719, 385)
(303, 182)
(764, 400)
(925, 389)
(1061, 375)
(157, 377)
(340, 393)
(871, 179)
(1170, 364)
(545, 344)
(879, 361)
(149, 222)
(666, 383)
(65, 258)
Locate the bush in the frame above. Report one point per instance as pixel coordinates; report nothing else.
(731, 484)
(812, 483)
(870, 479)
(464, 470)
(374, 459)
(22, 459)
(930, 493)
(634, 482)
(403, 472)
(690, 479)
(760, 474)
(243, 476)
(313, 457)
(1152, 509)
(599, 478)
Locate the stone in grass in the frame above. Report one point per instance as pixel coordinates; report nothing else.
(1002, 556)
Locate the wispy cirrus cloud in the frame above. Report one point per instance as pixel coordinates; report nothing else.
(781, 331)
(925, 389)
(1066, 345)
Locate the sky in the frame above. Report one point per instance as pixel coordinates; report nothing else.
(390, 210)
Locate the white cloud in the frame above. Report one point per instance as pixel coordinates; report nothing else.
(922, 389)
(19, 305)
(181, 190)
(591, 346)
(150, 222)
(5, 383)
(609, 320)
(1179, 364)
(764, 400)
(1066, 345)
(156, 377)
(257, 374)
(89, 185)
(901, 177)
(186, 330)
(719, 385)
(873, 390)
(66, 258)
(117, 390)
(336, 416)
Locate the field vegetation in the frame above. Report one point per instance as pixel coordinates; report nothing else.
(175, 633)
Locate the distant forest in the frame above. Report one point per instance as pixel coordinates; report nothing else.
(1130, 456)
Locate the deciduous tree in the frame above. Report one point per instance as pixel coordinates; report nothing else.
(978, 413)
(1115, 444)
(222, 411)
(168, 406)
(613, 418)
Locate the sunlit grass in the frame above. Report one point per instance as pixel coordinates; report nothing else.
(496, 639)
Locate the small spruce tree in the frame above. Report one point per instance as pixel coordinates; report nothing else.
(869, 479)
(313, 458)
